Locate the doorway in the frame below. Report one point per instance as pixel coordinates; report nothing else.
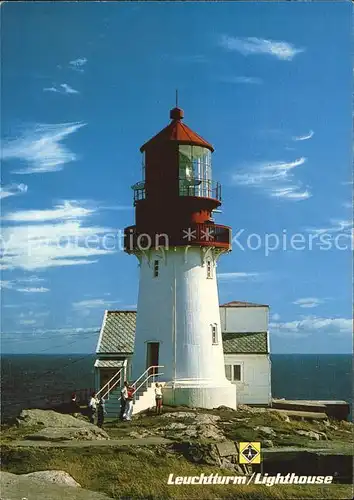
(152, 356)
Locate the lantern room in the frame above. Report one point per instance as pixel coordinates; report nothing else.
(177, 188)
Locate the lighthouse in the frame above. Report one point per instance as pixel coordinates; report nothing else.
(178, 244)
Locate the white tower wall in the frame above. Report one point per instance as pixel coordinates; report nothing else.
(177, 309)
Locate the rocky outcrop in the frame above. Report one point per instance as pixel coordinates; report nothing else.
(223, 455)
(186, 425)
(312, 434)
(54, 477)
(42, 487)
(58, 427)
(49, 418)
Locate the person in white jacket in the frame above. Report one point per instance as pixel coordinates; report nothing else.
(92, 406)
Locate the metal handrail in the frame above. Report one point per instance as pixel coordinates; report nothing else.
(107, 384)
(146, 371)
(147, 378)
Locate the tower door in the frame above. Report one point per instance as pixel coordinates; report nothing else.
(152, 356)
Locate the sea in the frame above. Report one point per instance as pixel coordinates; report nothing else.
(30, 381)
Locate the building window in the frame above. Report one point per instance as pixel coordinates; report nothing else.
(237, 373)
(233, 373)
(214, 334)
(209, 268)
(156, 268)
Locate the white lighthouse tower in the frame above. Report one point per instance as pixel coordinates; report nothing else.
(178, 244)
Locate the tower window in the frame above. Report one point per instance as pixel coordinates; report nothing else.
(156, 268)
(209, 268)
(214, 334)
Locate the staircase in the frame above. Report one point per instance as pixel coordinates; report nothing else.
(144, 394)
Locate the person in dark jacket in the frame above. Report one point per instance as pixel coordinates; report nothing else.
(123, 399)
(74, 405)
(101, 412)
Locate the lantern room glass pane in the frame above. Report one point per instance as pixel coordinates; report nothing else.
(195, 171)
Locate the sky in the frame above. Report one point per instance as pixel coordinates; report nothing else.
(84, 85)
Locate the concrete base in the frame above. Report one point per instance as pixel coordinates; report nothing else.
(199, 395)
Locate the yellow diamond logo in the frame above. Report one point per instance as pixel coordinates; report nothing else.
(250, 453)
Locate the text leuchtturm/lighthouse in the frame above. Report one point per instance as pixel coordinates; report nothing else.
(178, 245)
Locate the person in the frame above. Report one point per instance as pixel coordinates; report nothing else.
(101, 412)
(74, 405)
(129, 403)
(158, 398)
(123, 399)
(92, 406)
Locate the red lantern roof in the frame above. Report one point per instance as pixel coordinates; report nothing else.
(178, 132)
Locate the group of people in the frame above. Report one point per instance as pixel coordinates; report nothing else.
(97, 409)
(127, 397)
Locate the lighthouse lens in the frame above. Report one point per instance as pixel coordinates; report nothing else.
(194, 171)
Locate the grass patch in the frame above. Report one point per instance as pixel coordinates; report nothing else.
(142, 473)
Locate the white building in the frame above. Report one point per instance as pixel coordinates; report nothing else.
(246, 351)
(245, 338)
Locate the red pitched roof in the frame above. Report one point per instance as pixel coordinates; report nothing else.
(237, 303)
(179, 132)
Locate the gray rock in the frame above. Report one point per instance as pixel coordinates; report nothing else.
(179, 414)
(175, 426)
(251, 409)
(267, 431)
(54, 476)
(227, 448)
(204, 454)
(17, 487)
(317, 436)
(205, 418)
(225, 408)
(49, 418)
(210, 432)
(69, 434)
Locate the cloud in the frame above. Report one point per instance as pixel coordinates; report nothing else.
(69, 209)
(33, 290)
(251, 45)
(304, 137)
(12, 190)
(308, 302)
(275, 179)
(18, 285)
(93, 303)
(41, 147)
(337, 225)
(347, 204)
(50, 89)
(64, 88)
(78, 64)
(312, 324)
(237, 276)
(275, 317)
(242, 79)
(55, 237)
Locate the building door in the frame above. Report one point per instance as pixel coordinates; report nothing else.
(152, 356)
